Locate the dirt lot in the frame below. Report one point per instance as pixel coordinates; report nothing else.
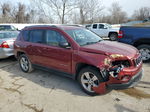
(41, 91)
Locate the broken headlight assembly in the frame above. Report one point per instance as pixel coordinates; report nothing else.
(114, 71)
(124, 63)
(114, 64)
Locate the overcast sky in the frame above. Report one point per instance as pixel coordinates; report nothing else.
(128, 5)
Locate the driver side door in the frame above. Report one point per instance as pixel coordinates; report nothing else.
(56, 57)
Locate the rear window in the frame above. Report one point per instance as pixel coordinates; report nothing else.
(7, 27)
(4, 35)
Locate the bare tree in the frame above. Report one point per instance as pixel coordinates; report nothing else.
(42, 10)
(96, 8)
(20, 17)
(59, 9)
(89, 10)
(105, 19)
(83, 10)
(32, 15)
(5, 8)
(117, 15)
(20, 13)
(142, 13)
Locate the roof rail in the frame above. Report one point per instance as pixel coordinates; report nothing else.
(77, 25)
(36, 26)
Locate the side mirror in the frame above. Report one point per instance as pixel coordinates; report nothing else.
(65, 45)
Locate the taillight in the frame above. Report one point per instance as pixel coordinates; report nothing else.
(120, 34)
(4, 45)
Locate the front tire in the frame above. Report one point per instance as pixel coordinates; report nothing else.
(25, 64)
(89, 77)
(145, 52)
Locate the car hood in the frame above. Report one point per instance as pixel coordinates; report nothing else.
(109, 48)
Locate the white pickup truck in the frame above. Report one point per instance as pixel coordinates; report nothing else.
(104, 30)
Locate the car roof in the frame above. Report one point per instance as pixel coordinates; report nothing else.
(62, 27)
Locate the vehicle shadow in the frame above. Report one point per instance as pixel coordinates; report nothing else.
(143, 84)
(120, 108)
(9, 59)
(45, 79)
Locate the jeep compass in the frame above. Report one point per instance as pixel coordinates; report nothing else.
(78, 53)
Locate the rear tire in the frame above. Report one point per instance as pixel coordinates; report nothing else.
(25, 63)
(89, 77)
(113, 36)
(145, 52)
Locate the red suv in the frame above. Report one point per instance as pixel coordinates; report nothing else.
(80, 54)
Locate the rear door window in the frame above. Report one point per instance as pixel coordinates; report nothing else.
(37, 36)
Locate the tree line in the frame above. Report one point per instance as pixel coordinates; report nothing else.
(67, 11)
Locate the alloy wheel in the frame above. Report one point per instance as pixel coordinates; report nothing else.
(24, 63)
(89, 80)
(145, 54)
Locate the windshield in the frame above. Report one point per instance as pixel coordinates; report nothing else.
(4, 35)
(84, 36)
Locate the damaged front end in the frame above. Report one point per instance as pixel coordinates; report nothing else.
(118, 72)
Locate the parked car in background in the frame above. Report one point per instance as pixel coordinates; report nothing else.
(88, 26)
(7, 39)
(138, 37)
(104, 30)
(80, 54)
(4, 27)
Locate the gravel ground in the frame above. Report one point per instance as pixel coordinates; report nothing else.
(41, 91)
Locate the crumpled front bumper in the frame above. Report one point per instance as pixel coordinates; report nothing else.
(117, 82)
(131, 83)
